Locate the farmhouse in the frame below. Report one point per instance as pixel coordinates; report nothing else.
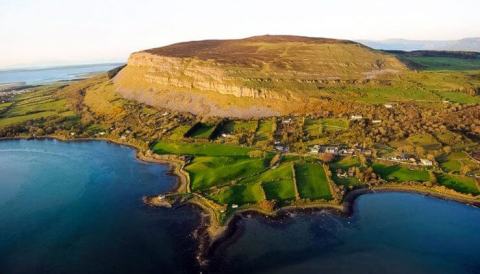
(315, 149)
(356, 117)
(426, 162)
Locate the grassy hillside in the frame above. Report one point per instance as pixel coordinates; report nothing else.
(285, 54)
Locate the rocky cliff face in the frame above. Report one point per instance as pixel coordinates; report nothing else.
(270, 74)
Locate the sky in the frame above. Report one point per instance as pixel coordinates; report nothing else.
(62, 32)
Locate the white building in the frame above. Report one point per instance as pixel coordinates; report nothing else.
(356, 117)
(426, 162)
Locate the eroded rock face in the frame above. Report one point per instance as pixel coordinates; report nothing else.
(162, 72)
(253, 77)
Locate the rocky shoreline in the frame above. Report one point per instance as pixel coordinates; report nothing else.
(211, 236)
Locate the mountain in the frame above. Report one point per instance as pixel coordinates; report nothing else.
(467, 44)
(252, 77)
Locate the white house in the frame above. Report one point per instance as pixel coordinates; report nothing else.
(356, 117)
(426, 162)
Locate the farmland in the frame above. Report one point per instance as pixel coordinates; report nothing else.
(312, 181)
(201, 130)
(206, 172)
(199, 149)
(459, 183)
(446, 63)
(33, 106)
(316, 127)
(398, 173)
(458, 162)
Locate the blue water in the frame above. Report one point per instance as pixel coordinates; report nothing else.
(76, 208)
(54, 74)
(387, 233)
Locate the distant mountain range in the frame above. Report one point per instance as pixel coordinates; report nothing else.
(467, 44)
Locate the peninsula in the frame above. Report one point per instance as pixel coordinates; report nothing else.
(275, 123)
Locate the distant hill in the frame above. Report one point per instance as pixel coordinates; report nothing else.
(256, 76)
(467, 44)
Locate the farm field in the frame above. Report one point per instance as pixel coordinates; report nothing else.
(277, 183)
(4, 106)
(456, 161)
(206, 172)
(239, 127)
(398, 173)
(345, 163)
(179, 132)
(459, 183)
(316, 127)
(34, 105)
(445, 63)
(201, 131)
(239, 194)
(199, 149)
(265, 130)
(312, 181)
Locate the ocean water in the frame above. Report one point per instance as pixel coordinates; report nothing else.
(53, 74)
(76, 208)
(387, 233)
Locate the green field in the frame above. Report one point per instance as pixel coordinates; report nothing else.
(206, 172)
(277, 183)
(239, 127)
(445, 63)
(427, 141)
(454, 162)
(201, 131)
(240, 194)
(4, 106)
(179, 132)
(265, 130)
(204, 149)
(34, 105)
(316, 127)
(312, 181)
(399, 173)
(459, 183)
(345, 163)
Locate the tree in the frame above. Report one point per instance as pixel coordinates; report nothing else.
(327, 157)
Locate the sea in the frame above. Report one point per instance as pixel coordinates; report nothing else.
(76, 207)
(39, 76)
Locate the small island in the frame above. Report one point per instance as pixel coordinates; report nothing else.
(389, 128)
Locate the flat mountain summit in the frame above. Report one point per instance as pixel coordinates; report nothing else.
(257, 76)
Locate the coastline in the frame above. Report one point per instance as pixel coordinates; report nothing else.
(212, 236)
